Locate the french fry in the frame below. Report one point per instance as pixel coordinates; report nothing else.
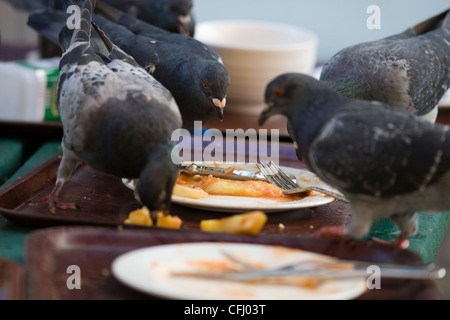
(140, 217)
(218, 186)
(168, 221)
(186, 192)
(196, 187)
(249, 223)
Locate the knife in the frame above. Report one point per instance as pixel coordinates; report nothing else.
(429, 272)
(226, 173)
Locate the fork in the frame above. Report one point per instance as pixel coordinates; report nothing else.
(338, 269)
(278, 177)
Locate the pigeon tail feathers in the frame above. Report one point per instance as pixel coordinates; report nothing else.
(440, 21)
(83, 33)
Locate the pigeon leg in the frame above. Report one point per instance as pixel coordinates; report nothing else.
(69, 163)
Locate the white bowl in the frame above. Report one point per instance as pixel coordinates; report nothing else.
(254, 53)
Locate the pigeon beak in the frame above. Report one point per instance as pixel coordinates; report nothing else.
(221, 114)
(183, 22)
(265, 114)
(221, 105)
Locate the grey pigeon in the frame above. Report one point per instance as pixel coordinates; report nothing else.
(387, 161)
(193, 73)
(116, 117)
(410, 70)
(171, 15)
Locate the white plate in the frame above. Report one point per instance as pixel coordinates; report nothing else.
(238, 204)
(150, 270)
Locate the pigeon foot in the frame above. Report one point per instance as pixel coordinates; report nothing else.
(399, 242)
(53, 203)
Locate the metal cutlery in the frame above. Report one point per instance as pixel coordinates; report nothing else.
(336, 269)
(319, 270)
(278, 177)
(222, 172)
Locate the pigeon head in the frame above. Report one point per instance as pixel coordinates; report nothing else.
(213, 80)
(180, 10)
(285, 92)
(306, 102)
(158, 178)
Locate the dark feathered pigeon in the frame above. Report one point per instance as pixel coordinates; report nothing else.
(387, 161)
(410, 70)
(193, 73)
(171, 15)
(116, 117)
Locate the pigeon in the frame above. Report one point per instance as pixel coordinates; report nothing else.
(116, 117)
(189, 69)
(410, 70)
(387, 161)
(171, 15)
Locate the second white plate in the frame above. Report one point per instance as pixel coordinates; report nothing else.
(151, 270)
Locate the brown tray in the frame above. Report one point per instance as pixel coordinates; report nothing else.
(11, 280)
(104, 200)
(49, 252)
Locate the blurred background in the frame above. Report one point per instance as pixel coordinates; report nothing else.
(338, 24)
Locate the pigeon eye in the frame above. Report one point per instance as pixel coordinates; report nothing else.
(278, 92)
(205, 85)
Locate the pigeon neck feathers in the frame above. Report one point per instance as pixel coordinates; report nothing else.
(312, 109)
(306, 98)
(306, 103)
